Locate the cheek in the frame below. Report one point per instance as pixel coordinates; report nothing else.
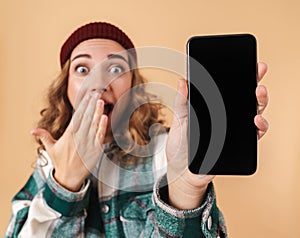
(73, 89)
(121, 86)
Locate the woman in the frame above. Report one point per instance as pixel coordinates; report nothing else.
(73, 193)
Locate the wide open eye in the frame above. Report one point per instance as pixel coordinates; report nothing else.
(82, 69)
(116, 69)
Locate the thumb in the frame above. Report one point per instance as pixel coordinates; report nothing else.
(180, 105)
(182, 87)
(44, 136)
(177, 145)
(177, 148)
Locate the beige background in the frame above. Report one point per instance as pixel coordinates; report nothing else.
(263, 205)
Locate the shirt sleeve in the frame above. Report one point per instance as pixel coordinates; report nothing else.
(204, 221)
(43, 208)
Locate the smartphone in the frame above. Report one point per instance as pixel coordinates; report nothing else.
(222, 79)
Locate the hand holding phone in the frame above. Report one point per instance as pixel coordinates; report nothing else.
(230, 61)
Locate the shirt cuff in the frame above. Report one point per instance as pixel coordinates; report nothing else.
(173, 222)
(64, 201)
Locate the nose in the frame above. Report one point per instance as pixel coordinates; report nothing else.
(101, 89)
(98, 82)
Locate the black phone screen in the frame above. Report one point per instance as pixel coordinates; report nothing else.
(222, 104)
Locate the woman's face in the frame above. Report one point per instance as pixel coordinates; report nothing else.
(99, 65)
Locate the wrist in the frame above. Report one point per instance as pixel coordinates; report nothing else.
(73, 184)
(184, 195)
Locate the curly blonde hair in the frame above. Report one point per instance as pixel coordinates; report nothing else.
(57, 114)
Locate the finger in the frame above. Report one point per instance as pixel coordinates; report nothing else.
(97, 115)
(262, 70)
(262, 125)
(180, 105)
(182, 87)
(44, 136)
(78, 115)
(87, 118)
(102, 129)
(262, 98)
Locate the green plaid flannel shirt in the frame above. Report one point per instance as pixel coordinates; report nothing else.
(45, 209)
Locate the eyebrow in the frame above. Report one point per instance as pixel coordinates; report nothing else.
(117, 56)
(110, 56)
(81, 55)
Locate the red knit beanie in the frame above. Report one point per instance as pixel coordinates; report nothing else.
(93, 30)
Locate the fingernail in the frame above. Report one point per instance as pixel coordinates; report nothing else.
(264, 121)
(104, 118)
(96, 95)
(260, 108)
(100, 103)
(87, 96)
(181, 83)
